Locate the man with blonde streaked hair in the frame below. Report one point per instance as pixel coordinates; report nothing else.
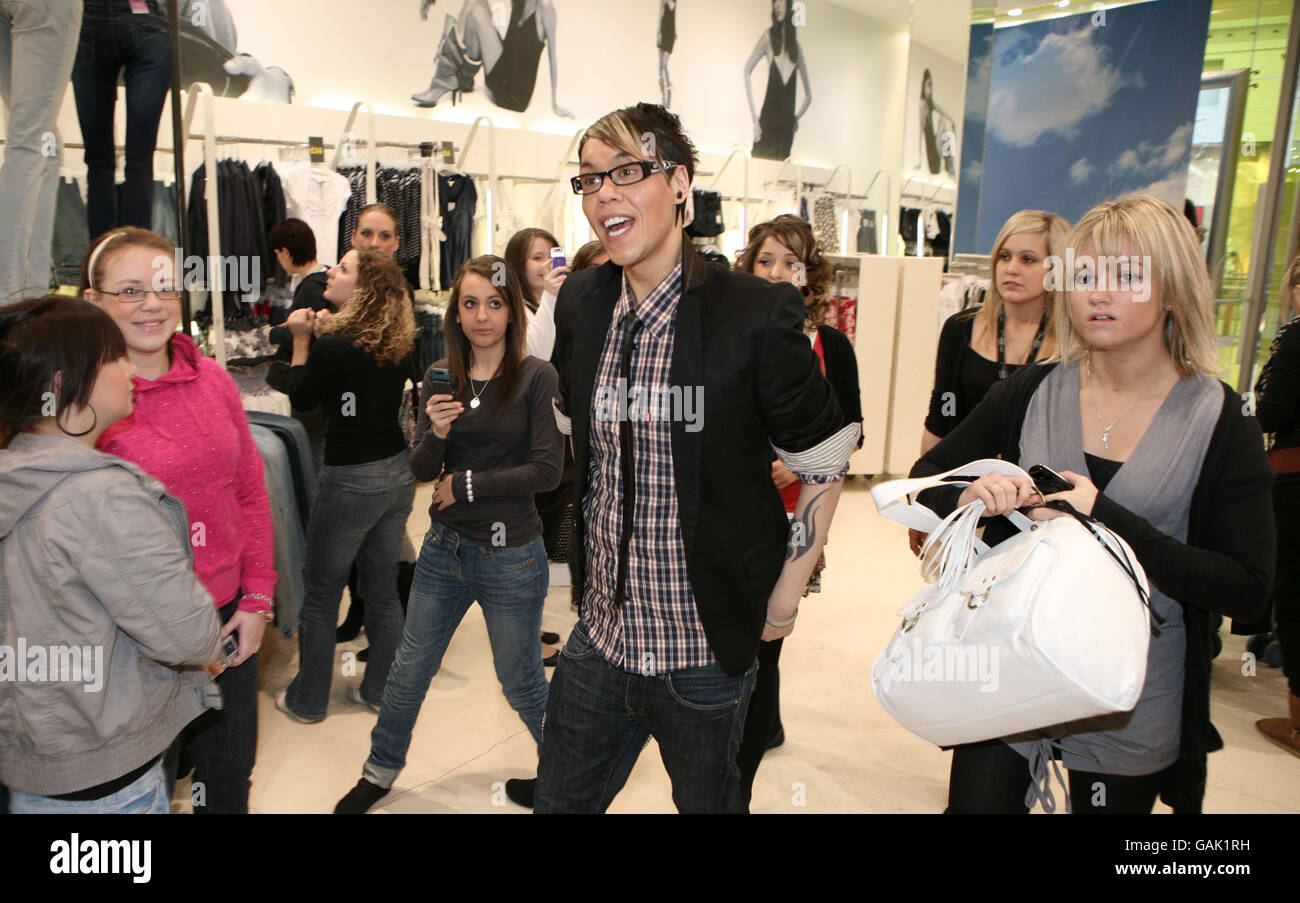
(689, 558)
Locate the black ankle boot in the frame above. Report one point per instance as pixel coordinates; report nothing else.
(350, 629)
(521, 791)
(361, 797)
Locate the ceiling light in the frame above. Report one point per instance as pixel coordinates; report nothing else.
(1015, 12)
(1062, 4)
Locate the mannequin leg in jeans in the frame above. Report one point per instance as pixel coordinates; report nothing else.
(38, 44)
(94, 84)
(148, 76)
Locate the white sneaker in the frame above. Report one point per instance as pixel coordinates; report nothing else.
(354, 693)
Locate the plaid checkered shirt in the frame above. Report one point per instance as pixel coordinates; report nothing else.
(657, 629)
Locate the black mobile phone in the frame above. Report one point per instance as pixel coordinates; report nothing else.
(440, 380)
(1048, 481)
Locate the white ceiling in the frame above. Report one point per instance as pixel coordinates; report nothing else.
(941, 25)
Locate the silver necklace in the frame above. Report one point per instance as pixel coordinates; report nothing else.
(1092, 393)
(474, 402)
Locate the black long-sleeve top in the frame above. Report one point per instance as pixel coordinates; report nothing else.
(1224, 567)
(359, 396)
(1277, 397)
(962, 376)
(309, 293)
(512, 457)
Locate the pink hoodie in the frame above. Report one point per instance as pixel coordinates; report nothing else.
(191, 433)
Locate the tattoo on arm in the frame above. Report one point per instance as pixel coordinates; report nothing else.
(803, 530)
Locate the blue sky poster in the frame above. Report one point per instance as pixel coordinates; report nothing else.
(1089, 107)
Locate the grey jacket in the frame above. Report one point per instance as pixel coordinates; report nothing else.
(94, 554)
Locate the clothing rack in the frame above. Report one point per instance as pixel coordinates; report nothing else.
(216, 304)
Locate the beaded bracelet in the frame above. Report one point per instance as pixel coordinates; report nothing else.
(469, 485)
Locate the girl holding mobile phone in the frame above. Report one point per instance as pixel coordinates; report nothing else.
(491, 444)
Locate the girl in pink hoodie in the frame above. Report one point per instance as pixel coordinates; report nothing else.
(190, 431)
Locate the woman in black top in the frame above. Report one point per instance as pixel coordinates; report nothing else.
(355, 372)
(491, 444)
(1277, 396)
(785, 250)
(1161, 454)
(776, 123)
(1012, 328)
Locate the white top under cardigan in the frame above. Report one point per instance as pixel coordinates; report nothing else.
(540, 337)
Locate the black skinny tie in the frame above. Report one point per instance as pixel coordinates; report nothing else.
(631, 326)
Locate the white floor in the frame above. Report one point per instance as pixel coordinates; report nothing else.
(842, 752)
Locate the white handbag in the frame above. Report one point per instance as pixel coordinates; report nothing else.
(1047, 627)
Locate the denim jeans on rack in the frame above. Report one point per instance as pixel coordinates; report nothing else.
(114, 39)
(359, 515)
(509, 583)
(38, 42)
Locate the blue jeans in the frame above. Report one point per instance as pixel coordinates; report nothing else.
(114, 39)
(599, 718)
(146, 796)
(359, 515)
(509, 583)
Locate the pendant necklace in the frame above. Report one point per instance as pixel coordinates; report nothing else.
(474, 402)
(1105, 433)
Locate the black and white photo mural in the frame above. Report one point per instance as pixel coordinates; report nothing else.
(936, 140)
(665, 39)
(508, 52)
(209, 52)
(777, 121)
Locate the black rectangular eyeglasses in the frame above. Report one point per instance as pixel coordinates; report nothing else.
(623, 174)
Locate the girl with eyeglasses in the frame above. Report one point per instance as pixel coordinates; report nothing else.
(190, 431)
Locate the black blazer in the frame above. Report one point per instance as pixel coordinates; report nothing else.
(741, 338)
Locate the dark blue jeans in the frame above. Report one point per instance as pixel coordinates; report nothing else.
(221, 744)
(359, 515)
(509, 583)
(114, 39)
(599, 718)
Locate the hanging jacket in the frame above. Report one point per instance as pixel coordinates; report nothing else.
(94, 553)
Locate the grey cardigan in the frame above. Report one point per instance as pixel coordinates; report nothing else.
(94, 554)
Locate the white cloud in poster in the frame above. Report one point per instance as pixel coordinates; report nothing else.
(1080, 171)
(1172, 189)
(1148, 157)
(1052, 89)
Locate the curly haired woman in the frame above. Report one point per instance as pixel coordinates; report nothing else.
(355, 371)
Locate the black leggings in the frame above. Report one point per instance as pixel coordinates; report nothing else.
(991, 777)
(1286, 581)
